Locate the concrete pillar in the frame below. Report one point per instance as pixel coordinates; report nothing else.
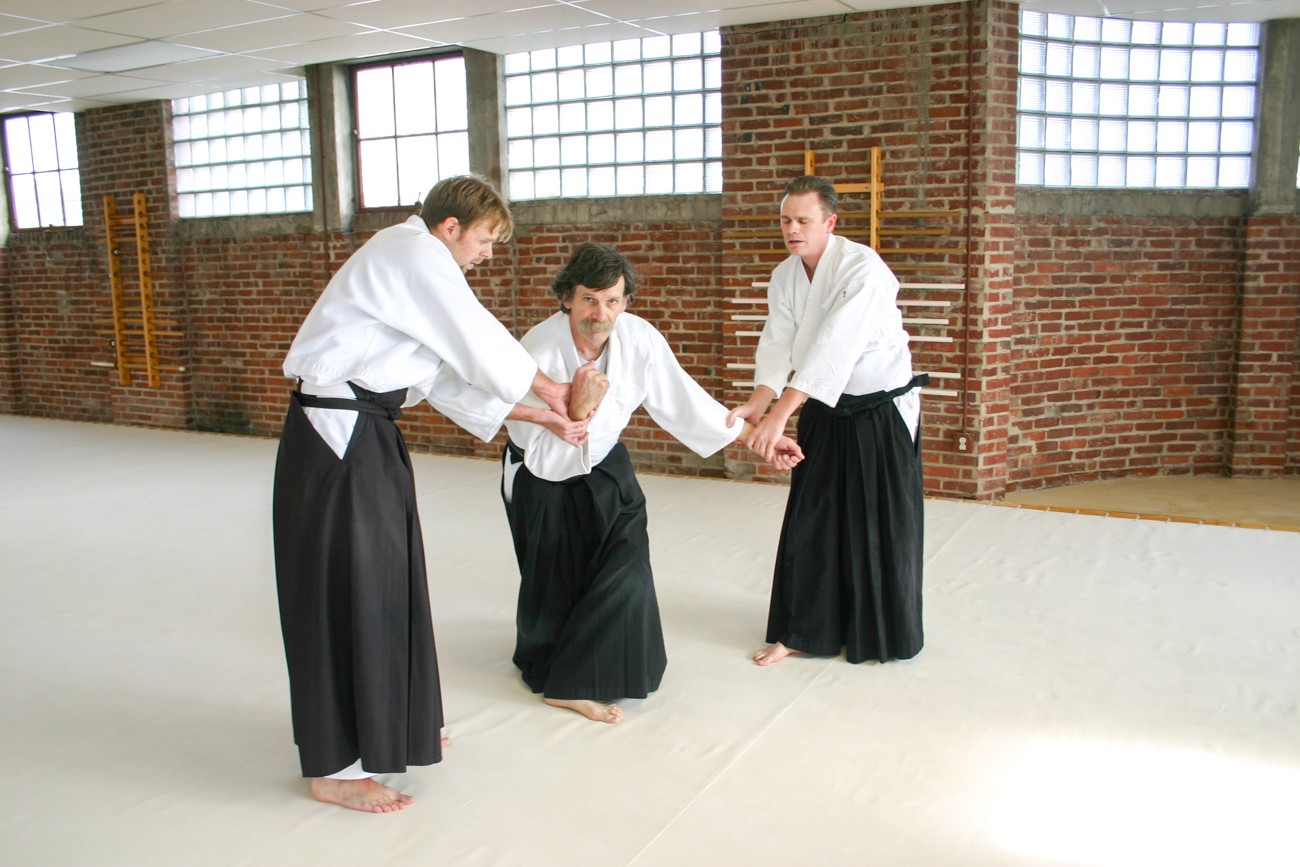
(1277, 124)
(485, 86)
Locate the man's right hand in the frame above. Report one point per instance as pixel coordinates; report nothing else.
(589, 388)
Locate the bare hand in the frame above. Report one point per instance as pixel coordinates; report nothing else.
(787, 454)
(768, 433)
(589, 388)
(751, 411)
(572, 432)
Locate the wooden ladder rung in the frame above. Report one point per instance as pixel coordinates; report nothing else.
(916, 215)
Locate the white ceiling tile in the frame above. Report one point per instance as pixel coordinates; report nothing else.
(14, 102)
(178, 17)
(876, 5)
(348, 48)
(632, 10)
(26, 76)
(218, 67)
(269, 34)
(517, 23)
(135, 55)
(63, 11)
(56, 40)
(305, 5)
(175, 90)
(93, 86)
(392, 14)
(608, 32)
(17, 23)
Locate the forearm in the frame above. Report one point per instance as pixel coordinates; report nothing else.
(583, 405)
(790, 401)
(524, 412)
(553, 394)
(761, 399)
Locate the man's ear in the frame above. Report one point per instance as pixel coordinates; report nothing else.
(447, 228)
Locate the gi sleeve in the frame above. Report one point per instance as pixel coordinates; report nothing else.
(679, 405)
(477, 411)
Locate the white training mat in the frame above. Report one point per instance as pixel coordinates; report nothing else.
(1094, 691)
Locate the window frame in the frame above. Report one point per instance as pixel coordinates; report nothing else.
(563, 170)
(304, 157)
(1047, 134)
(354, 103)
(60, 171)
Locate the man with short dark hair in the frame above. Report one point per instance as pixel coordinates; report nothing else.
(396, 325)
(848, 570)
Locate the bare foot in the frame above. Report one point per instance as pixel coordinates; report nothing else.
(772, 653)
(365, 795)
(446, 742)
(606, 712)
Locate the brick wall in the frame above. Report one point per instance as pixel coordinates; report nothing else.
(1090, 346)
(1123, 346)
(1266, 432)
(247, 297)
(934, 89)
(125, 150)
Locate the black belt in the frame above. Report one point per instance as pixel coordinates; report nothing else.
(516, 453)
(359, 403)
(852, 404)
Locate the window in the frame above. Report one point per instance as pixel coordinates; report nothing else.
(412, 123)
(1106, 102)
(634, 117)
(44, 179)
(243, 151)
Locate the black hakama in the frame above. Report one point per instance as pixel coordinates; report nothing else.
(588, 621)
(354, 600)
(848, 566)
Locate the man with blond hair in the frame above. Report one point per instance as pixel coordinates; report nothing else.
(396, 325)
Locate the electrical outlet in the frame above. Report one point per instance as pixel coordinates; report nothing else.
(964, 441)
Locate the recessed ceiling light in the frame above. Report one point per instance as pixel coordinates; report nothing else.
(138, 55)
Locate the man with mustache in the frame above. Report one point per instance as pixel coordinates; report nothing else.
(588, 629)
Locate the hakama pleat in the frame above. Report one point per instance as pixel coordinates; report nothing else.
(588, 620)
(354, 598)
(849, 560)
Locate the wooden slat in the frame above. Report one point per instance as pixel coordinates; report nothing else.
(917, 215)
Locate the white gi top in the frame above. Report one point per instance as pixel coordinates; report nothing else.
(396, 315)
(642, 371)
(841, 333)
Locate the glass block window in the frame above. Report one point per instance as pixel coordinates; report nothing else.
(627, 118)
(244, 151)
(44, 178)
(1106, 102)
(412, 121)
